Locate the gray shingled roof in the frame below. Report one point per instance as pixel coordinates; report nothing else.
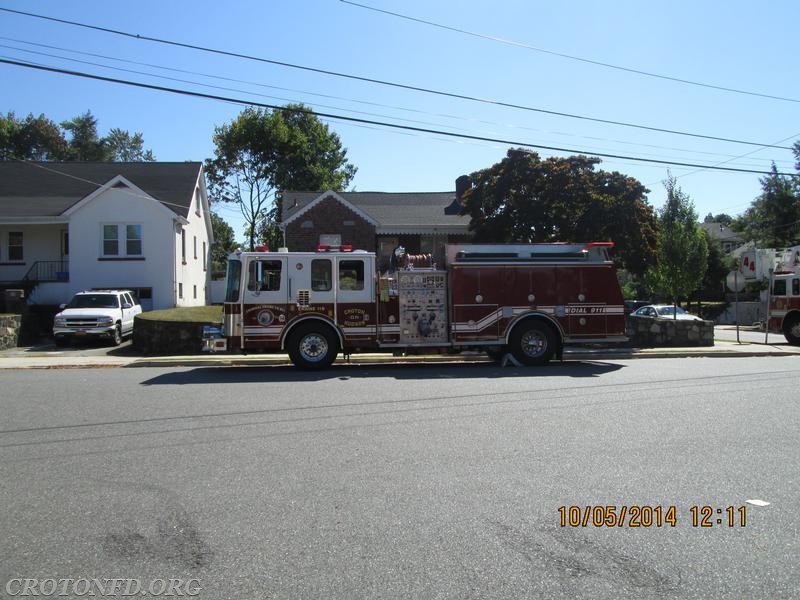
(721, 232)
(398, 210)
(47, 189)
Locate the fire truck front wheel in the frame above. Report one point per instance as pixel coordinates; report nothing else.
(312, 347)
(533, 343)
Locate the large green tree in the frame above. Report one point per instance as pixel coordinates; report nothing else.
(40, 139)
(262, 152)
(682, 248)
(224, 244)
(121, 146)
(773, 219)
(84, 142)
(31, 138)
(526, 199)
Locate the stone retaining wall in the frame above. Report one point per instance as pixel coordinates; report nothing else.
(166, 338)
(647, 333)
(10, 326)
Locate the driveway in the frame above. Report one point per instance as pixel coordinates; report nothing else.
(46, 347)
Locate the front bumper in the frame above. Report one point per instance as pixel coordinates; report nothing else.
(64, 332)
(214, 340)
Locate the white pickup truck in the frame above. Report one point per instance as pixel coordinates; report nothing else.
(96, 313)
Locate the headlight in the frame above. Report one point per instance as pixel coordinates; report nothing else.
(59, 322)
(104, 321)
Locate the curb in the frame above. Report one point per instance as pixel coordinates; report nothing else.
(371, 359)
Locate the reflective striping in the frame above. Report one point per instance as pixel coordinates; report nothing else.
(589, 310)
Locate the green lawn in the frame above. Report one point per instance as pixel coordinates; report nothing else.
(189, 314)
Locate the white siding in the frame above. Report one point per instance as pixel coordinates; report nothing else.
(194, 273)
(154, 269)
(39, 243)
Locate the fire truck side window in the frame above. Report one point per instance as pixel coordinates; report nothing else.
(234, 279)
(264, 276)
(321, 279)
(795, 287)
(351, 275)
(779, 287)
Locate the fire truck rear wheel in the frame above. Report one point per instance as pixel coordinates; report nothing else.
(533, 343)
(313, 347)
(791, 330)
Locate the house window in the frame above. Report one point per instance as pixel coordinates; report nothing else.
(180, 291)
(194, 242)
(330, 239)
(205, 253)
(133, 240)
(110, 240)
(130, 234)
(15, 245)
(194, 292)
(183, 246)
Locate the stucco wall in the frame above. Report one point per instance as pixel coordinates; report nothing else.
(10, 326)
(167, 338)
(668, 332)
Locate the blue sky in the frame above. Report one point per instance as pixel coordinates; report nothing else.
(741, 45)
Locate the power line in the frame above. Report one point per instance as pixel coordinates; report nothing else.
(371, 122)
(383, 82)
(570, 57)
(262, 85)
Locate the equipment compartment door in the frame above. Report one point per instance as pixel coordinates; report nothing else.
(476, 297)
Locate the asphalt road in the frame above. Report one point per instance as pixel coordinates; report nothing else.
(410, 481)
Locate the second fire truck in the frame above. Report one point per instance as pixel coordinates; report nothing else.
(526, 300)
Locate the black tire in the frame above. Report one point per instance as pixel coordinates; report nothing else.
(791, 330)
(313, 347)
(61, 341)
(533, 343)
(116, 337)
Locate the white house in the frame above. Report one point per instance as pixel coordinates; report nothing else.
(66, 227)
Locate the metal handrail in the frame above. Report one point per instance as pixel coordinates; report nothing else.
(48, 270)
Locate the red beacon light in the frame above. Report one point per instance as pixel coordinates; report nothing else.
(262, 248)
(331, 248)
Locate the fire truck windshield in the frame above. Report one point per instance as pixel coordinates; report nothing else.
(234, 279)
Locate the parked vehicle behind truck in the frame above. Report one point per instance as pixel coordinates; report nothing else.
(524, 300)
(107, 314)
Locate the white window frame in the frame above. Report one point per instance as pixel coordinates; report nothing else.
(122, 240)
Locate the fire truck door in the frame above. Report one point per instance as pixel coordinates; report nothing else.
(267, 281)
(355, 292)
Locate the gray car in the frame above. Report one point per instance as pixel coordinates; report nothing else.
(663, 311)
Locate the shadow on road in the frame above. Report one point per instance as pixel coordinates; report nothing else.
(288, 374)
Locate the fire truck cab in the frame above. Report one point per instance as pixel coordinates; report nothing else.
(784, 296)
(524, 299)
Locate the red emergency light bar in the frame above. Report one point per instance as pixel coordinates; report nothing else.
(600, 245)
(330, 248)
(262, 248)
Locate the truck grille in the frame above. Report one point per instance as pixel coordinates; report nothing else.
(82, 323)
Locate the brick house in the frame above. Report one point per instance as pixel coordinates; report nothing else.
(375, 221)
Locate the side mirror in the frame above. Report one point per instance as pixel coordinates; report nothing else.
(62, 306)
(126, 305)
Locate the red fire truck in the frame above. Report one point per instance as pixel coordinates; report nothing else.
(527, 300)
(784, 295)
